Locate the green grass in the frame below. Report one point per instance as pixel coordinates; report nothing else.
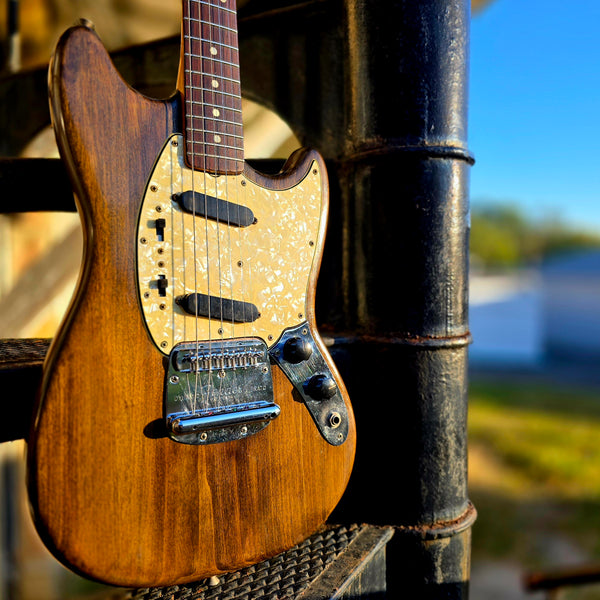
(535, 470)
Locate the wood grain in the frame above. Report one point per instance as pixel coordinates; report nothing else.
(112, 499)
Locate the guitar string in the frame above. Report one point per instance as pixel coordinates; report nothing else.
(192, 155)
(226, 30)
(203, 25)
(244, 255)
(211, 28)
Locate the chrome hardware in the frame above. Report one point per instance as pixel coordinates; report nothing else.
(218, 391)
(221, 417)
(298, 355)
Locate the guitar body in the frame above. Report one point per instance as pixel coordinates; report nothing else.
(113, 495)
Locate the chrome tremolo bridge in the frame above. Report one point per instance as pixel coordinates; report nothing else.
(218, 391)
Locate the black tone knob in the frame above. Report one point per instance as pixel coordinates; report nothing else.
(320, 387)
(296, 350)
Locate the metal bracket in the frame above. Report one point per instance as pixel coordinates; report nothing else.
(299, 357)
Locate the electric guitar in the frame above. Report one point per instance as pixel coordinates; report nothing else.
(190, 420)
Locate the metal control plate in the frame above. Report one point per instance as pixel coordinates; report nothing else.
(329, 414)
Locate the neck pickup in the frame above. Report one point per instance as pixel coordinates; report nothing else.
(209, 207)
(218, 308)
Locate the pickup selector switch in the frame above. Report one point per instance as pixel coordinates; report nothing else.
(297, 350)
(160, 225)
(320, 387)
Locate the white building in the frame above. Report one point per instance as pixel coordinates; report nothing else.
(571, 306)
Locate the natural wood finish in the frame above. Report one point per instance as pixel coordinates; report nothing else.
(111, 499)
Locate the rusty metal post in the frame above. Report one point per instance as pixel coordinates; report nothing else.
(404, 189)
(381, 89)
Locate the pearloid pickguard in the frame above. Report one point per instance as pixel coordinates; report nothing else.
(267, 264)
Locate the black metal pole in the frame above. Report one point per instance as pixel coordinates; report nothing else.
(380, 88)
(404, 184)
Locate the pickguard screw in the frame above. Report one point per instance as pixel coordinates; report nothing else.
(203, 436)
(163, 344)
(143, 240)
(270, 337)
(265, 370)
(159, 208)
(174, 379)
(315, 171)
(163, 306)
(300, 316)
(154, 188)
(311, 243)
(160, 250)
(146, 294)
(175, 143)
(220, 331)
(243, 182)
(240, 263)
(244, 430)
(161, 264)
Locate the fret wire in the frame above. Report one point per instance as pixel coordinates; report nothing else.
(223, 155)
(212, 105)
(222, 8)
(218, 60)
(223, 27)
(219, 133)
(202, 89)
(214, 76)
(205, 41)
(224, 146)
(220, 158)
(204, 144)
(203, 22)
(217, 120)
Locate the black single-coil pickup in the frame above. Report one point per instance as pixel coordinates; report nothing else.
(203, 205)
(221, 309)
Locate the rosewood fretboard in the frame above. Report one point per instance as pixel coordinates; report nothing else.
(212, 91)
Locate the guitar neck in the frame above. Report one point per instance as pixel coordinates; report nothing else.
(211, 87)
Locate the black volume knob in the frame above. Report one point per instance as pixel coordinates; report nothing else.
(296, 350)
(320, 387)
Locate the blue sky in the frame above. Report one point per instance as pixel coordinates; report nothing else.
(534, 112)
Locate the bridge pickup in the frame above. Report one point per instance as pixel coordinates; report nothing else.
(221, 309)
(222, 211)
